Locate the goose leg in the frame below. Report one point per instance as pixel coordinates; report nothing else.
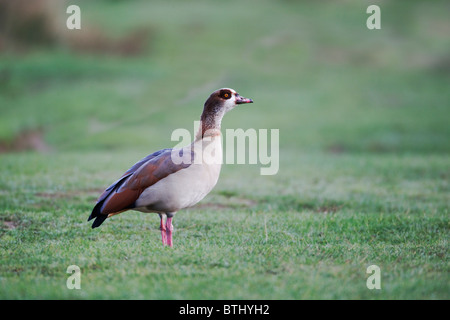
(162, 227)
(169, 229)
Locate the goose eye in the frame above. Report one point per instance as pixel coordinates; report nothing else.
(224, 94)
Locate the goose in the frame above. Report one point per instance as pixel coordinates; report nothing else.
(172, 179)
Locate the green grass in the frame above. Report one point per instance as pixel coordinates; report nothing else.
(364, 154)
(306, 234)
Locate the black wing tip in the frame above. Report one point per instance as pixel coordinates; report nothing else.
(96, 213)
(99, 220)
(90, 217)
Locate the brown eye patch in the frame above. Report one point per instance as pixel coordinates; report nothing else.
(226, 94)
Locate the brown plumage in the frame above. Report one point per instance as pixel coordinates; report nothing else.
(158, 184)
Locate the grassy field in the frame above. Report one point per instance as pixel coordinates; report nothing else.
(364, 153)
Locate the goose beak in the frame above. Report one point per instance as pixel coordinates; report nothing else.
(241, 100)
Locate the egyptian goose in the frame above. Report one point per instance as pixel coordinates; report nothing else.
(172, 179)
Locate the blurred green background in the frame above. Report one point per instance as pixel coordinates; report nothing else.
(364, 147)
(138, 69)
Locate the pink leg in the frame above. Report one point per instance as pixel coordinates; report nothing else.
(162, 227)
(169, 229)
